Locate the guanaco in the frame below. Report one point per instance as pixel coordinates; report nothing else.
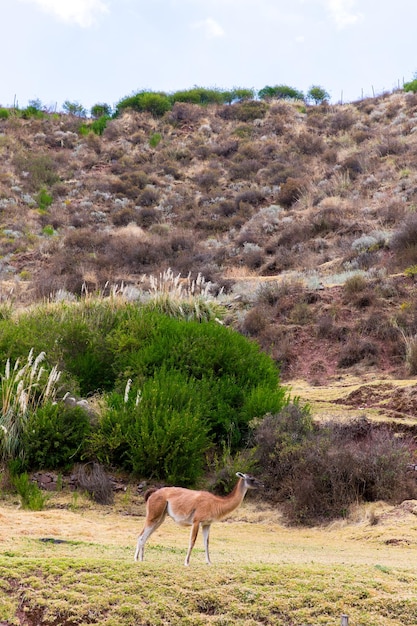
(191, 508)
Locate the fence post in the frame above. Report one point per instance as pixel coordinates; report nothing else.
(344, 621)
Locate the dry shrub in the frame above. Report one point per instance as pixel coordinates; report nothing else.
(318, 473)
(291, 191)
(255, 321)
(326, 220)
(309, 143)
(253, 197)
(354, 285)
(404, 242)
(244, 169)
(356, 350)
(226, 148)
(392, 213)
(207, 179)
(124, 216)
(93, 479)
(341, 121)
(243, 111)
(148, 197)
(353, 166)
(390, 145)
(185, 113)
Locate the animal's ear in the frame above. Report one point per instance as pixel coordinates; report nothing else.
(240, 474)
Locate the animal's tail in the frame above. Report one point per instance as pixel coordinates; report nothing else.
(149, 492)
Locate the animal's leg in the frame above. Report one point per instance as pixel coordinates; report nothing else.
(206, 536)
(193, 537)
(144, 536)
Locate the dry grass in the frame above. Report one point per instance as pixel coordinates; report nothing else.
(263, 572)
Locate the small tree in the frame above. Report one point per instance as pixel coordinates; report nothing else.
(317, 94)
(411, 85)
(100, 109)
(281, 92)
(74, 108)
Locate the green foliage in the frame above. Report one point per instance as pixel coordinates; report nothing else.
(100, 109)
(74, 108)
(24, 389)
(55, 436)
(198, 95)
(280, 92)
(4, 114)
(317, 94)
(155, 139)
(411, 271)
(200, 383)
(44, 200)
(31, 497)
(233, 376)
(160, 433)
(98, 126)
(411, 86)
(48, 230)
(155, 103)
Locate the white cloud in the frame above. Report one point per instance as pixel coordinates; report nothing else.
(343, 12)
(81, 12)
(211, 28)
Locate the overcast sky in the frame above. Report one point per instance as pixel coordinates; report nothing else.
(95, 51)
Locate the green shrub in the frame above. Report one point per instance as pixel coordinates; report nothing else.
(24, 389)
(55, 436)
(74, 108)
(100, 109)
(155, 103)
(44, 200)
(198, 95)
(31, 496)
(98, 126)
(155, 139)
(161, 433)
(226, 367)
(4, 114)
(317, 94)
(411, 86)
(281, 92)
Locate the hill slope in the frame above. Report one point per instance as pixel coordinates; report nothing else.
(305, 216)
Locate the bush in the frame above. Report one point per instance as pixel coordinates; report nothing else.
(404, 242)
(411, 86)
(281, 92)
(31, 496)
(55, 437)
(291, 191)
(317, 94)
(93, 479)
(152, 102)
(225, 366)
(160, 434)
(317, 473)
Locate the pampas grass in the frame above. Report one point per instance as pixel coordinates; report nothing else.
(23, 389)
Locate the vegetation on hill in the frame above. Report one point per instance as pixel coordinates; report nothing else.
(301, 219)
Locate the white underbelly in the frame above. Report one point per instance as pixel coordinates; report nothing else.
(180, 518)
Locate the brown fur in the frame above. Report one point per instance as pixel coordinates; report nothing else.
(190, 508)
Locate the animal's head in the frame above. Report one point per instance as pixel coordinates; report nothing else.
(250, 481)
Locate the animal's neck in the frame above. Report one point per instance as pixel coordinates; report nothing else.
(233, 499)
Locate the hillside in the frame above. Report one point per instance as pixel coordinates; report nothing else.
(302, 217)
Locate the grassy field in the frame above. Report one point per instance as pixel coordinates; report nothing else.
(73, 564)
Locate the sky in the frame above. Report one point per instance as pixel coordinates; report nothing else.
(100, 51)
